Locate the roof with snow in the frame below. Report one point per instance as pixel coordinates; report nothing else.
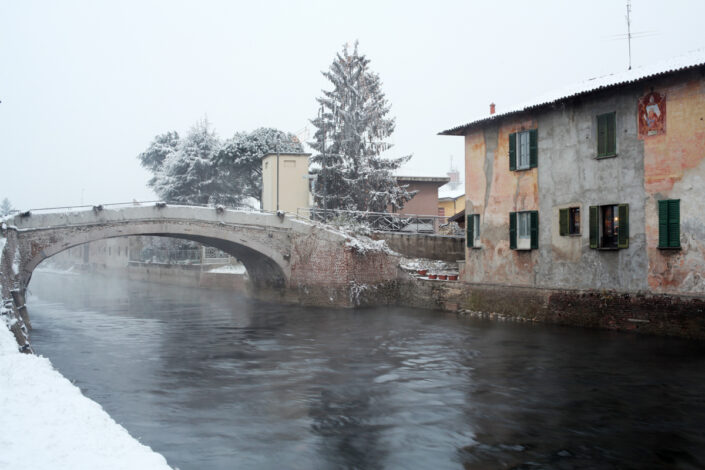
(448, 192)
(688, 61)
(439, 180)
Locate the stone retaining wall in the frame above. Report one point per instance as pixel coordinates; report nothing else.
(645, 313)
(419, 245)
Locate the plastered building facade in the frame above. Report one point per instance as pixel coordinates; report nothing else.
(598, 187)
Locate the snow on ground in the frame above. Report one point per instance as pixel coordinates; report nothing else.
(229, 269)
(50, 269)
(433, 266)
(362, 244)
(46, 423)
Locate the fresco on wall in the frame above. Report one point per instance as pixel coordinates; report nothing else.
(652, 114)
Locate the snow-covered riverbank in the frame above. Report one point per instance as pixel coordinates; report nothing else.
(46, 423)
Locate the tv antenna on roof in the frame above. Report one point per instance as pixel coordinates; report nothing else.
(629, 36)
(629, 31)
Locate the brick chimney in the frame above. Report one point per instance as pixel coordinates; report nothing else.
(491, 108)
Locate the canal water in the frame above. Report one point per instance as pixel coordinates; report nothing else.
(214, 380)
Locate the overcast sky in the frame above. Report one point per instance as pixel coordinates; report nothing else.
(86, 85)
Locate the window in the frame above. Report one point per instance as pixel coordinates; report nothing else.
(606, 135)
(569, 221)
(523, 150)
(524, 230)
(473, 231)
(669, 223)
(523, 222)
(441, 212)
(609, 226)
(289, 163)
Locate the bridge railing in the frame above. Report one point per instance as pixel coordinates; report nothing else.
(378, 221)
(129, 204)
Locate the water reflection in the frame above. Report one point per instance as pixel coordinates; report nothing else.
(215, 380)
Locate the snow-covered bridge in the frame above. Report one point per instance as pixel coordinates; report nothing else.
(285, 256)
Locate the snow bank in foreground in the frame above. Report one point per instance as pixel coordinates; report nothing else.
(46, 423)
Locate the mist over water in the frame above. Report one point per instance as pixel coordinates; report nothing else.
(216, 380)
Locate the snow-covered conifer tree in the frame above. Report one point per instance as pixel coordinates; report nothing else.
(5, 207)
(351, 172)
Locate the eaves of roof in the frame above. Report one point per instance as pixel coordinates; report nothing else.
(688, 61)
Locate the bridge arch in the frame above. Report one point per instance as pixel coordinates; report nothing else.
(260, 241)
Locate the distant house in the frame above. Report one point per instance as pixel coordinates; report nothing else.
(451, 196)
(596, 186)
(425, 202)
(450, 201)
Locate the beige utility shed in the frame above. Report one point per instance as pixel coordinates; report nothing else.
(285, 182)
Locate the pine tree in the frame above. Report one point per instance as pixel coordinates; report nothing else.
(353, 126)
(5, 207)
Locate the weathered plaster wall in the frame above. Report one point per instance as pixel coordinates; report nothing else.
(675, 169)
(570, 175)
(493, 193)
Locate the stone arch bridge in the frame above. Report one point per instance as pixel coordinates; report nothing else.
(286, 258)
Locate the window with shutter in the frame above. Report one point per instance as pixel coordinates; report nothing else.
(523, 150)
(607, 135)
(569, 221)
(470, 235)
(523, 230)
(609, 226)
(669, 223)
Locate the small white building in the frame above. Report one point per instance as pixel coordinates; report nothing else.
(285, 182)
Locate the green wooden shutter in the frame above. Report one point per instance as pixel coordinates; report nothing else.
(663, 224)
(534, 221)
(469, 226)
(513, 230)
(674, 223)
(611, 131)
(513, 151)
(563, 222)
(601, 135)
(533, 148)
(594, 226)
(623, 236)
